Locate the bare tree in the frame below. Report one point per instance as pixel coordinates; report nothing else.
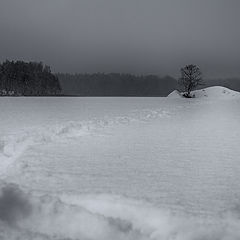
(191, 77)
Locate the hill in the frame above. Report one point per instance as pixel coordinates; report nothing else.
(216, 92)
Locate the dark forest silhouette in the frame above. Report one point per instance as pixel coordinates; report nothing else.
(116, 84)
(18, 78)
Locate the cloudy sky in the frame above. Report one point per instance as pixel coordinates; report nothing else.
(134, 36)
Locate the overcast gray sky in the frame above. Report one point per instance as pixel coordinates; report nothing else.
(134, 36)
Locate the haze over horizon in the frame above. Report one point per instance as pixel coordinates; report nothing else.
(129, 36)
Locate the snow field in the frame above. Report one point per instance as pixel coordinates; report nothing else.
(121, 168)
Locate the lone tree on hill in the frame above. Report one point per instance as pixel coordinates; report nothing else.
(191, 77)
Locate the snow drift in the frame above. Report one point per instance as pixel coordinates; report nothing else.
(216, 92)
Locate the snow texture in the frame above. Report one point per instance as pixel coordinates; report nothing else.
(121, 168)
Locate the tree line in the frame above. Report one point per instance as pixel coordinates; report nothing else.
(19, 78)
(116, 84)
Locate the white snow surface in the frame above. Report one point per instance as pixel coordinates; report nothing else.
(216, 92)
(121, 168)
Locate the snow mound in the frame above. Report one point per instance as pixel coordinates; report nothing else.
(175, 94)
(216, 92)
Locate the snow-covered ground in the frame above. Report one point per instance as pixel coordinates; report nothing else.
(121, 168)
